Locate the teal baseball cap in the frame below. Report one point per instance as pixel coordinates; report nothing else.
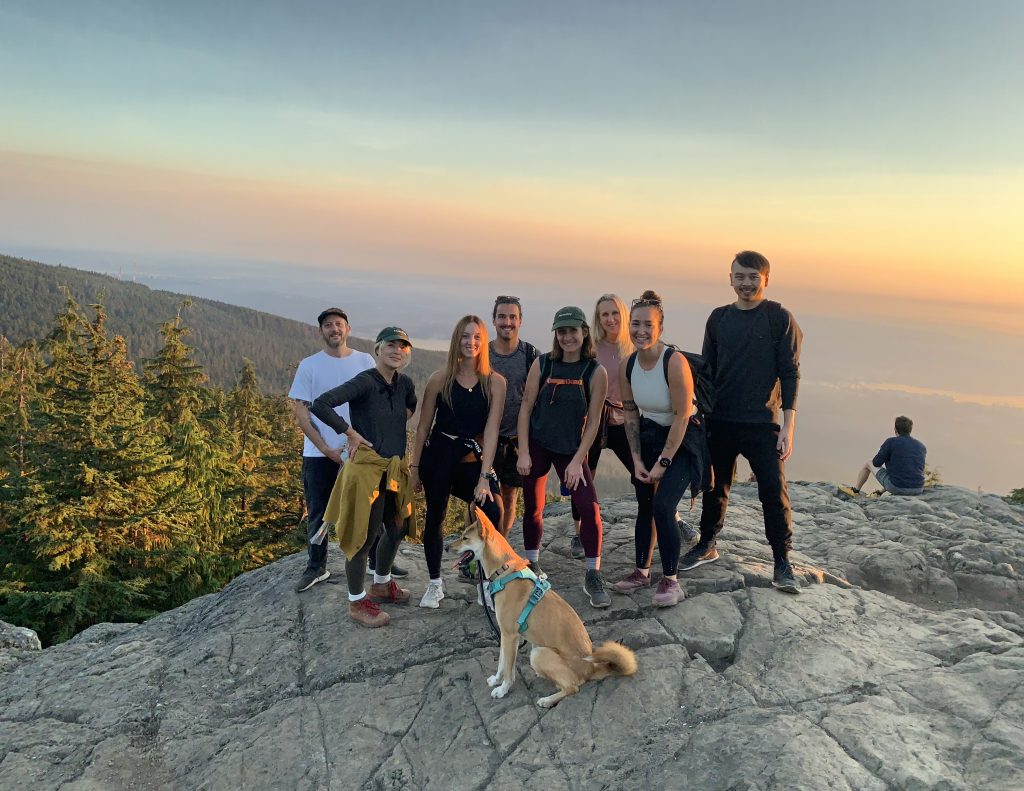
(393, 334)
(570, 316)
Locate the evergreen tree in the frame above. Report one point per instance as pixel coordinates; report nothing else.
(269, 487)
(90, 505)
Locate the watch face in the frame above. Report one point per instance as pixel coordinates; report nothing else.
(664, 462)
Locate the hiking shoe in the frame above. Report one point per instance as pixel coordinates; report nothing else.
(389, 592)
(687, 533)
(593, 586)
(697, 556)
(783, 578)
(432, 595)
(536, 569)
(633, 582)
(669, 593)
(467, 572)
(311, 577)
(576, 550)
(368, 613)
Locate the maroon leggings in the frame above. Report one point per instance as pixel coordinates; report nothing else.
(584, 498)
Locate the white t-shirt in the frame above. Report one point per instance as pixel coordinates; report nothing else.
(317, 374)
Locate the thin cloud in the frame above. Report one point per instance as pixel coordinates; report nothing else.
(978, 399)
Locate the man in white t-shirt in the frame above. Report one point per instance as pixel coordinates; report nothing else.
(322, 449)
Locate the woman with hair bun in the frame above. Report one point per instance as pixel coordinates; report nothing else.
(667, 442)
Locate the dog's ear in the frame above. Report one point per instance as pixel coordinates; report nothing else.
(485, 523)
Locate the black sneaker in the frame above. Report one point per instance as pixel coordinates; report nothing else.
(784, 579)
(576, 550)
(532, 566)
(697, 556)
(687, 533)
(593, 586)
(398, 572)
(311, 577)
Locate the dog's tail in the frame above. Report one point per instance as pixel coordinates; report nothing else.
(612, 659)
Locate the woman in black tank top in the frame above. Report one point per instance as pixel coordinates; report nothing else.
(456, 438)
(558, 421)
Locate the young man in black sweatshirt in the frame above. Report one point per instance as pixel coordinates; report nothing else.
(753, 349)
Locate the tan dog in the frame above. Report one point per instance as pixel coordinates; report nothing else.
(562, 651)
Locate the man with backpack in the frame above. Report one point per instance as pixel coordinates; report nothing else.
(512, 358)
(752, 348)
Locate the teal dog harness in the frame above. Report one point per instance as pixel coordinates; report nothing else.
(540, 587)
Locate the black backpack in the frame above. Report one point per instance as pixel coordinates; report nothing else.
(545, 372)
(703, 386)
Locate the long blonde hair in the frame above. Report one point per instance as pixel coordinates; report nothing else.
(624, 342)
(455, 358)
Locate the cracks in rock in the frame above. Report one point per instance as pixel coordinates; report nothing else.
(323, 740)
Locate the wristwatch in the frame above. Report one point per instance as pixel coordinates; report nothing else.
(490, 475)
(665, 461)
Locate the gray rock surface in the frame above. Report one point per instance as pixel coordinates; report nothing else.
(740, 686)
(16, 645)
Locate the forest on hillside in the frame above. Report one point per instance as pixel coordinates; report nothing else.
(223, 335)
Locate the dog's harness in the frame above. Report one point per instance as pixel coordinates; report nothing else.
(540, 587)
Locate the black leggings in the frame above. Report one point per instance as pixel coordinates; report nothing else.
(617, 444)
(660, 503)
(383, 531)
(443, 474)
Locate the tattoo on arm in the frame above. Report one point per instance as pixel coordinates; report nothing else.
(633, 430)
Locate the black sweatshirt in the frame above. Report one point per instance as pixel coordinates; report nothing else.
(378, 409)
(756, 371)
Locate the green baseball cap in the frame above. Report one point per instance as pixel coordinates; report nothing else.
(393, 334)
(570, 316)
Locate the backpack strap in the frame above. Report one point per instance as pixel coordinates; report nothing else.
(588, 373)
(531, 353)
(667, 358)
(629, 368)
(776, 319)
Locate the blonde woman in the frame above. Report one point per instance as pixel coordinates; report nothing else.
(456, 439)
(611, 332)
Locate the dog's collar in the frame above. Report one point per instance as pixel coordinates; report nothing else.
(506, 567)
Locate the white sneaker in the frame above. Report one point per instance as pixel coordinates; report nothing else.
(433, 595)
(486, 596)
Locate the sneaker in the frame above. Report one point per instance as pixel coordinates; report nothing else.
(368, 613)
(481, 598)
(669, 593)
(783, 578)
(576, 550)
(687, 533)
(311, 577)
(699, 555)
(467, 572)
(432, 595)
(398, 572)
(537, 570)
(633, 582)
(389, 592)
(593, 586)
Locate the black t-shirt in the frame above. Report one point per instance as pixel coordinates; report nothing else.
(467, 414)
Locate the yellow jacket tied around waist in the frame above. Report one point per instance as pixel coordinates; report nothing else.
(356, 490)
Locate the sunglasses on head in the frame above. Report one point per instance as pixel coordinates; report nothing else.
(640, 302)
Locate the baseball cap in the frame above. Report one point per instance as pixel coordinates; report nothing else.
(570, 316)
(393, 334)
(331, 312)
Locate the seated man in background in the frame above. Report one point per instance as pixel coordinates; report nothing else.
(899, 462)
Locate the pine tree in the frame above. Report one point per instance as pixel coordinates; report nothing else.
(191, 422)
(269, 487)
(90, 505)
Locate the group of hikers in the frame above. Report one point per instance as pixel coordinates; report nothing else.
(501, 414)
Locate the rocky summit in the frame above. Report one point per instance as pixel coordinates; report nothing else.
(900, 666)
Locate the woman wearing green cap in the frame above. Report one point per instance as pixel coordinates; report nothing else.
(558, 421)
(381, 400)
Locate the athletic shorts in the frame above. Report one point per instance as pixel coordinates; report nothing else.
(505, 458)
(885, 479)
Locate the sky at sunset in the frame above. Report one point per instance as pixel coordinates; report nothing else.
(412, 159)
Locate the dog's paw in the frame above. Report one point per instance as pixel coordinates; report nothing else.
(501, 691)
(493, 681)
(546, 702)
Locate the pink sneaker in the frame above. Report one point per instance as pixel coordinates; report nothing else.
(669, 593)
(633, 582)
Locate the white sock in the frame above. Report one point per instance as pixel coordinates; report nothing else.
(594, 563)
(357, 596)
(533, 555)
(437, 581)
(379, 580)
(645, 572)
